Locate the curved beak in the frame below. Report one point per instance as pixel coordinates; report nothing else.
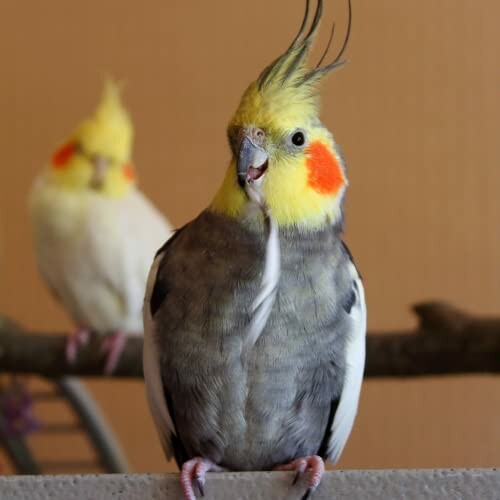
(252, 161)
(101, 165)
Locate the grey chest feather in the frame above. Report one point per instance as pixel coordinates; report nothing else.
(250, 408)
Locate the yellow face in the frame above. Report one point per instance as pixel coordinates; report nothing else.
(97, 156)
(74, 168)
(283, 157)
(291, 154)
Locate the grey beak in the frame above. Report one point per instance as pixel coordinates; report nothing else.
(100, 166)
(252, 161)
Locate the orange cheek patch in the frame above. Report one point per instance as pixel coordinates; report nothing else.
(129, 172)
(61, 157)
(325, 173)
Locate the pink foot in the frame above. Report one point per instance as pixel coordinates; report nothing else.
(79, 338)
(312, 463)
(195, 470)
(113, 346)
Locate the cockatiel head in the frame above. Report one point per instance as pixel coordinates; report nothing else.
(279, 143)
(97, 155)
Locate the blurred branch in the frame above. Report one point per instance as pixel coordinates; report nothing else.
(447, 341)
(26, 352)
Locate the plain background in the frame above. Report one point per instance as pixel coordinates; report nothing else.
(416, 111)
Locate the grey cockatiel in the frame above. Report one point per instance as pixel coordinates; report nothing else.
(254, 314)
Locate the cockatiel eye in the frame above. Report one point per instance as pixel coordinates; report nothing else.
(297, 140)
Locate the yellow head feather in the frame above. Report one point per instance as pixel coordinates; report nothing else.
(285, 90)
(284, 99)
(109, 131)
(97, 154)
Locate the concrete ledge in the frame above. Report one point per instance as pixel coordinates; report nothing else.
(470, 484)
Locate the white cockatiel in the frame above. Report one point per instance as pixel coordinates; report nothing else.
(95, 233)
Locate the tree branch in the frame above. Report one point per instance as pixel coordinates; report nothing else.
(446, 342)
(25, 352)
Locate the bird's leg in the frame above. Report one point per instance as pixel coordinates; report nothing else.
(195, 470)
(79, 338)
(314, 464)
(113, 346)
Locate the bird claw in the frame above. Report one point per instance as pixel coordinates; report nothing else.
(201, 486)
(80, 338)
(195, 470)
(314, 464)
(113, 345)
(300, 465)
(296, 478)
(308, 493)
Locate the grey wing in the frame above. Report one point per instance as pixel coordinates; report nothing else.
(347, 406)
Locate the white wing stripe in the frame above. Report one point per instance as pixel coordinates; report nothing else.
(355, 363)
(152, 373)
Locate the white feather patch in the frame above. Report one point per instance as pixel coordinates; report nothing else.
(152, 371)
(263, 303)
(355, 364)
(95, 253)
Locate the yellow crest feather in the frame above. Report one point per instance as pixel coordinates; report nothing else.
(287, 90)
(283, 98)
(106, 134)
(109, 131)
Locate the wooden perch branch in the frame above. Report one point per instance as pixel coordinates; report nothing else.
(447, 341)
(44, 354)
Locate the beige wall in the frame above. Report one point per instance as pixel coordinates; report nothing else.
(416, 112)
